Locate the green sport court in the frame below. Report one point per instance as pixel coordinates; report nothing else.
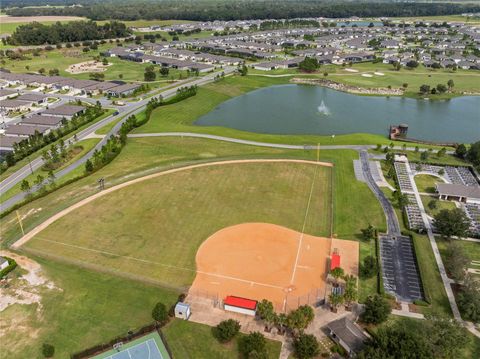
(147, 347)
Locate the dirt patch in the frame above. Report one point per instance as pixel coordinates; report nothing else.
(261, 260)
(88, 66)
(24, 289)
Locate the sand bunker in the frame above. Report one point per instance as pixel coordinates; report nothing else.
(379, 73)
(367, 75)
(351, 70)
(88, 66)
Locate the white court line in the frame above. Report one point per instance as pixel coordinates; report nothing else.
(161, 264)
(303, 227)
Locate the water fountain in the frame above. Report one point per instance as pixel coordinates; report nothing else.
(323, 109)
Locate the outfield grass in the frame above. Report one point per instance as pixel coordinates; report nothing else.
(164, 220)
(193, 340)
(87, 309)
(426, 183)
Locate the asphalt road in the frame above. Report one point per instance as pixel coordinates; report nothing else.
(124, 112)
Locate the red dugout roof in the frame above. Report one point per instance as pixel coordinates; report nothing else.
(335, 261)
(240, 302)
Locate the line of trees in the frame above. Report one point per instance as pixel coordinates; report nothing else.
(208, 10)
(36, 33)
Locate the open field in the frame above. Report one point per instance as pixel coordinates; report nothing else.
(156, 237)
(85, 309)
(471, 249)
(8, 24)
(192, 340)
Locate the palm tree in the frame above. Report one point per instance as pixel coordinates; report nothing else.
(350, 293)
(337, 273)
(335, 300)
(281, 322)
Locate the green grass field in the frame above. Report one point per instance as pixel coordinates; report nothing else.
(439, 205)
(164, 220)
(193, 340)
(426, 183)
(86, 309)
(471, 249)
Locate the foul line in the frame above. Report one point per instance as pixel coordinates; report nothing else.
(161, 264)
(303, 227)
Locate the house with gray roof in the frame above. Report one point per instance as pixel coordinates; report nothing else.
(347, 334)
(67, 111)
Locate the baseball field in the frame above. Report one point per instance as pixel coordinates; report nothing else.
(151, 229)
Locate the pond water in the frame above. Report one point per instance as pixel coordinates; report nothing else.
(315, 110)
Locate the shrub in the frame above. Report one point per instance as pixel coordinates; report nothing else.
(48, 350)
(11, 266)
(160, 313)
(306, 346)
(253, 345)
(226, 330)
(376, 311)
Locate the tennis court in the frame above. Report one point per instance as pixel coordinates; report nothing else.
(147, 347)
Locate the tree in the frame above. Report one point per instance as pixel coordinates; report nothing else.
(424, 156)
(41, 70)
(104, 61)
(441, 152)
(10, 159)
(337, 273)
(300, 318)
(401, 198)
(88, 166)
(432, 204)
(452, 222)
(469, 299)
(51, 178)
(368, 233)
(96, 76)
(456, 262)
(160, 313)
(281, 322)
(450, 84)
(424, 89)
(310, 64)
(376, 311)
(350, 294)
(54, 72)
(412, 64)
(446, 336)
(441, 88)
(461, 150)
(243, 70)
(369, 267)
(253, 345)
(473, 153)
(226, 330)
(266, 312)
(48, 350)
(39, 182)
(149, 74)
(335, 300)
(164, 71)
(25, 186)
(306, 346)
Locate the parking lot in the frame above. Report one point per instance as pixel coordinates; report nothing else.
(399, 268)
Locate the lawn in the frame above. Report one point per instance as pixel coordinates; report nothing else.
(193, 340)
(426, 183)
(87, 309)
(439, 205)
(471, 249)
(153, 229)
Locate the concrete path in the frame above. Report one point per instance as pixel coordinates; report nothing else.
(438, 258)
(83, 202)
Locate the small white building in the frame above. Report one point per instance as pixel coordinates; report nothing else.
(3, 263)
(182, 311)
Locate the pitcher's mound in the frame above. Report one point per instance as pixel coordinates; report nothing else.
(266, 261)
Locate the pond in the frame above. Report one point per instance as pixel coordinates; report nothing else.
(315, 110)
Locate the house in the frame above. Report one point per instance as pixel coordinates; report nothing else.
(458, 192)
(7, 143)
(240, 305)
(347, 334)
(7, 94)
(9, 106)
(123, 90)
(67, 111)
(43, 121)
(25, 130)
(35, 98)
